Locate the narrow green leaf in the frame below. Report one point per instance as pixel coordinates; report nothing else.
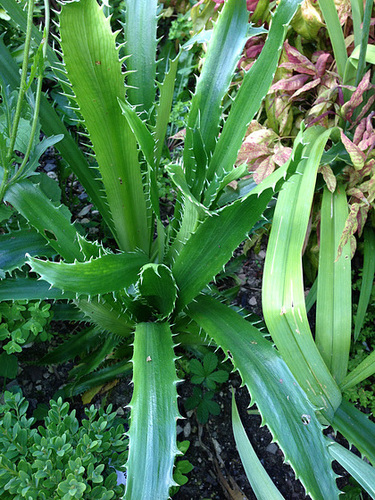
(367, 279)
(100, 377)
(336, 35)
(283, 291)
(362, 472)
(283, 404)
(364, 370)
(51, 222)
(94, 277)
(14, 245)
(260, 481)
(163, 109)
(30, 289)
(141, 43)
(333, 304)
(76, 345)
(154, 412)
(140, 130)
(8, 365)
(356, 427)
(224, 51)
(254, 87)
(52, 125)
(94, 69)
(199, 260)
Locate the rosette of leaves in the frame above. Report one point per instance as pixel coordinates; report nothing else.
(152, 291)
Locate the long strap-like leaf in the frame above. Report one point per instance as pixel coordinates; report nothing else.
(283, 404)
(254, 87)
(152, 434)
(141, 42)
(94, 69)
(333, 303)
(283, 293)
(224, 50)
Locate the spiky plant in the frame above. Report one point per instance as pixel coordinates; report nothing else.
(149, 291)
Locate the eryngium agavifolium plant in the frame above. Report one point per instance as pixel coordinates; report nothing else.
(152, 291)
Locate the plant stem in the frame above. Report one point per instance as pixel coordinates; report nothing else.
(37, 96)
(21, 95)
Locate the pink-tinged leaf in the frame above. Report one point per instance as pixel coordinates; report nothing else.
(356, 155)
(366, 108)
(299, 68)
(282, 155)
(351, 225)
(321, 64)
(254, 48)
(251, 151)
(357, 97)
(369, 188)
(353, 246)
(358, 193)
(264, 170)
(294, 56)
(305, 88)
(289, 84)
(329, 177)
(359, 131)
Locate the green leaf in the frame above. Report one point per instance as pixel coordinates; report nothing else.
(51, 222)
(362, 472)
(157, 287)
(52, 125)
(224, 51)
(163, 109)
(107, 273)
(283, 404)
(154, 413)
(8, 365)
(15, 244)
(367, 279)
(333, 303)
(30, 289)
(260, 481)
(254, 87)
(283, 292)
(336, 35)
(141, 43)
(94, 69)
(356, 427)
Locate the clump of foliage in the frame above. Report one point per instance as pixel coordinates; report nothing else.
(206, 376)
(22, 322)
(62, 458)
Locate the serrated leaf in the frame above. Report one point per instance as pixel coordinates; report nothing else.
(92, 63)
(210, 362)
(260, 481)
(157, 287)
(276, 393)
(116, 272)
(154, 412)
(15, 245)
